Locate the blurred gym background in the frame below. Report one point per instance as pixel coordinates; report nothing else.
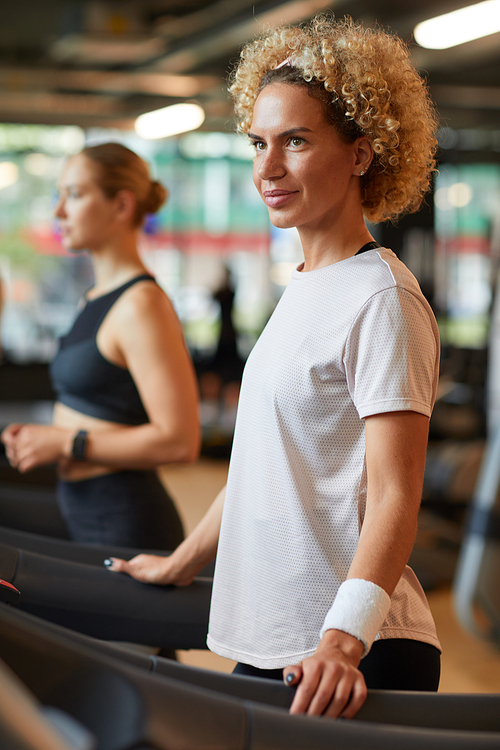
(73, 73)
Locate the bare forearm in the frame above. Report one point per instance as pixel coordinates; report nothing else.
(200, 547)
(385, 543)
(190, 557)
(142, 447)
(395, 459)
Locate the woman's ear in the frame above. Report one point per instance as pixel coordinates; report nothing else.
(126, 204)
(364, 155)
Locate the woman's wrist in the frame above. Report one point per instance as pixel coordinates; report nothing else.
(339, 640)
(184, 562)
(359, 609)
(74, 444)
(67, 442)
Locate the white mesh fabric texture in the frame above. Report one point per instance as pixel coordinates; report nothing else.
(353, 339)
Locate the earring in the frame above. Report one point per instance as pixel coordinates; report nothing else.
(362, 173)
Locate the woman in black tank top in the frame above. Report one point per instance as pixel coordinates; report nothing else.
(126, 390)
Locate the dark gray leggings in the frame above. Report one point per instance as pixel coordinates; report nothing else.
(392, 664)
(124, 508)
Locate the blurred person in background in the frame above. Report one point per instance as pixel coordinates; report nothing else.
(220, 378)
(126, 391)
(317, 521)
(227, 362)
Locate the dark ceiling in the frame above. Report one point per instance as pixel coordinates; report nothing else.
(104, 62)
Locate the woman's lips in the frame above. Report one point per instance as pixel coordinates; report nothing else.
(64, 235)
(277, 198)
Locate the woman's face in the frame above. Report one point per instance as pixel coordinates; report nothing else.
(85, 214)
(306, 176)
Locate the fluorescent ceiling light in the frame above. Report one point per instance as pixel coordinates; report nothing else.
(459, 26)
(178, 118)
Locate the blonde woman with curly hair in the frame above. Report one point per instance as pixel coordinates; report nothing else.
(320, 510)
(125, 386)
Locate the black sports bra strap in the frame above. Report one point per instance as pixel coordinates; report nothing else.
(369, 246)
(142, 277)
(96, 309)
(119, 290)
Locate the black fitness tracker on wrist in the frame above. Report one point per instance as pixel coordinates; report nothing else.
(79, 445)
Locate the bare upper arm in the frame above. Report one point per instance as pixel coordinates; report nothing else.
(396, 444)
(395, 459)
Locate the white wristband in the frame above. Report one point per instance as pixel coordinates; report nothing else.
(359, 609)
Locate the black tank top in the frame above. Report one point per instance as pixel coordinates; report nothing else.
(87, 382)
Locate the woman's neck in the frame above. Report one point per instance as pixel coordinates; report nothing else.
(336, 236)
(322, 250)
(115, 265)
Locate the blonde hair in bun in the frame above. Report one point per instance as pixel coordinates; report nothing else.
(119, 168)
(156, 198)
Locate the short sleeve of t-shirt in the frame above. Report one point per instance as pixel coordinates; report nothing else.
(391, 355)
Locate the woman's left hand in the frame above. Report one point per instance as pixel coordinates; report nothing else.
(329, 682)
(30, 445)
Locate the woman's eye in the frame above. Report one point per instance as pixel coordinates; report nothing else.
(258, 145)
(296, 141)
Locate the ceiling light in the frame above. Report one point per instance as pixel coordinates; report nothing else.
(9, 173)
(104, 48)
(37, 164)
(459, 26)
(178, 118)
(457, 195)
(460, 194)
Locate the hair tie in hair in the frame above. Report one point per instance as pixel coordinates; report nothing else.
(292, 61)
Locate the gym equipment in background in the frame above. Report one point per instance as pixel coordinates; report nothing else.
(31, 508)
(90, 599)
(125, 707)
(476, 586)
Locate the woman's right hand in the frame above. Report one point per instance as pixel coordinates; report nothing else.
(155, 569)
(28, 446)
(188, 559)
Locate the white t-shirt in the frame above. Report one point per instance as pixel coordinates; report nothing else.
(346, 341)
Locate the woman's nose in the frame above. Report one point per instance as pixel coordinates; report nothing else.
(270, 165)
(59, 210)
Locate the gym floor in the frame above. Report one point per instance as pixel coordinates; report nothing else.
(468, 665)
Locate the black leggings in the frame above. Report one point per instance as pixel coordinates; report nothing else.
(124, 508)
(392, 664)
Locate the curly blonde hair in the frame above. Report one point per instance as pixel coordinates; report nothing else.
(369, 87)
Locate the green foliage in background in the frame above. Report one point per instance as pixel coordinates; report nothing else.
(23, 256)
